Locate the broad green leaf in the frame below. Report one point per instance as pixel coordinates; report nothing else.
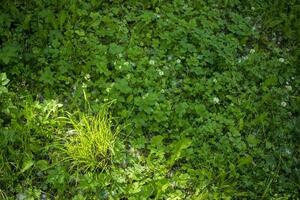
(251, 139)
(246, 160)
(27, 165)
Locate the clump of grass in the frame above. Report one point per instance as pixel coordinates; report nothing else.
(89, 145)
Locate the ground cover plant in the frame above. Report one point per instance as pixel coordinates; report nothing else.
(149, 99)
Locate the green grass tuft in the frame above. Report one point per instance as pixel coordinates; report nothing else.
(90, 143)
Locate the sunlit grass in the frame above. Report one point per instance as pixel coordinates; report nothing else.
(89, 145)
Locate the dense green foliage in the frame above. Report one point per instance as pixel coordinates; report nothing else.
(206, 94)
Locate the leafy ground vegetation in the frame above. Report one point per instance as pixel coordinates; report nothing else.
(149, 99)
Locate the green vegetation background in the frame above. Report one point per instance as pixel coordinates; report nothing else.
(206, 95)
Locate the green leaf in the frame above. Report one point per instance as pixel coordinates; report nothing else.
(177, 148)
(246, 160)
(251, 139)
(81, 33)
(27, 165)
(3, 79)
(8, 53)
(47, 76)
(115, 49)
(157, 140)
(42, 164)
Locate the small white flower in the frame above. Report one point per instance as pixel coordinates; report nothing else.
(151, 62)
(170, 57)
(216, 100)
(87, 77)
(293, 78)
(252, 50)
(120, 55)
(245, 58)
(162, 91)
(252, 8)
(178, 61)
(72, 132)
(289, 88)
(283, 104)
(128, 76)
(84, 85)
(158, 16)
(215, 80)
(281, 60)
(120, 67)
(160, 72)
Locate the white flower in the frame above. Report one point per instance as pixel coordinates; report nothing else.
(151, 62)
(178, 61)
(160, 72)
(244, 58)
(87, 77)
(281, 60)
(252, 8)
(120, 55)
(128, 76)
(120, 67)
(288, 87)
(215, 80)
(170, 57)
(293, 78)
(72, 132)
(216, 100)
(283, 104)
(162, 91)
(252, 50)
(84, 85)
